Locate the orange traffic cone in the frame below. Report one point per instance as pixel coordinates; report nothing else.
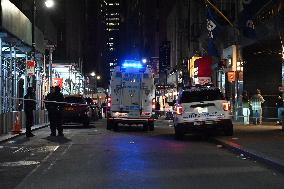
(17, 127)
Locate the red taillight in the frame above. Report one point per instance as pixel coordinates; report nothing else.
(179, 110)
(153, 104)
(109, 102)
(226, 106)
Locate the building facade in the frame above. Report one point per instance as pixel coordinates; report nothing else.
(246, 50)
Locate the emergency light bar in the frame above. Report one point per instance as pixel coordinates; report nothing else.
(132, 64)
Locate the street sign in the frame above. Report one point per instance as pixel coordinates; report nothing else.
(57, 82)
(231, 76)
(30, 67)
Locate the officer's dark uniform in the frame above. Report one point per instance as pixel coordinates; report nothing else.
(29, 107)
(55, 111)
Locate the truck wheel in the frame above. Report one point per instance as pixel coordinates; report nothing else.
(86, 123)
(115, 127)
(109, 125)
(178, 134)
(151, 126)
(228, 129)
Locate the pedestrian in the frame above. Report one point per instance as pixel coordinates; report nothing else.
(29, 107)
(246, 106)
(157, 109)
(280, 108)
(54, 106)
(103, 107)
(256, 102)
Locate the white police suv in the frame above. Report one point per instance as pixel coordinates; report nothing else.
(202, 108)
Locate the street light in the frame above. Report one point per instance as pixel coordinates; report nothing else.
(49, 3)
(93, 74)
(98, 77)
(144, 60)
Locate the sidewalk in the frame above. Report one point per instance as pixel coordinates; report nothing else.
(6, 137)
(263, 143)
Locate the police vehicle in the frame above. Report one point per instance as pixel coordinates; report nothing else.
(132, 96)
(202, 108)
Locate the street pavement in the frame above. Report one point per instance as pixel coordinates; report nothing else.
(263, 143)
(96, 158)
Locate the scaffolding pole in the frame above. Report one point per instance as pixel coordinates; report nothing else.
(1, 78)
(15, 83)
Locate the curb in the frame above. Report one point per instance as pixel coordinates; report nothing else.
(10, 136)
(237, 149)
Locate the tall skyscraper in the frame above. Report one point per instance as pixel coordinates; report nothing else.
(110, 14)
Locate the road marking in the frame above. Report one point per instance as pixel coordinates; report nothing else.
(18, 150)
(54, 161)
(37, 167)
(19, 163)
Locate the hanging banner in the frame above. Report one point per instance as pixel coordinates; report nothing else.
(204, 66)
(57, 82)
(30, 67)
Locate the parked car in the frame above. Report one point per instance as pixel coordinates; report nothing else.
(76, 110)
(202, 108)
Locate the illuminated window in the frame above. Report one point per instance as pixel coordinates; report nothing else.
(112, 19)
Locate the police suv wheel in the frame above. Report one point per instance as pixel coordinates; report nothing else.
(145, 127)
(86, 123)
(178, 134)
(151, 126)
(115, 127)
(228, 129)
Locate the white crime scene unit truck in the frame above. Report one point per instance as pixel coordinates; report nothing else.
(132, 96)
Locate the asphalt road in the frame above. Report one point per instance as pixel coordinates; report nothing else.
(96, 158)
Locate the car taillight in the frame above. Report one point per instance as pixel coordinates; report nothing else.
(109, 102)
(153, 104)
(178, 109)
(226, 106)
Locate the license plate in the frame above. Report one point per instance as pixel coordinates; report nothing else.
(209, 122)
(69, 109)
(198, 123)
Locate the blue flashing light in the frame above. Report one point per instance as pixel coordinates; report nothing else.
(132, 64)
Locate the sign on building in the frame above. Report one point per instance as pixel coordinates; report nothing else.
(57, 82)
(231, 76)
(30, 67)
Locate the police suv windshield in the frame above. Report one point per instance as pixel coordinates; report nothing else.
(199, 95)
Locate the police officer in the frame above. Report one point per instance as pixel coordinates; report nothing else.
(54, 107)
(29, 107)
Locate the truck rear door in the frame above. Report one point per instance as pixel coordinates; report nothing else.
(130, 95)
